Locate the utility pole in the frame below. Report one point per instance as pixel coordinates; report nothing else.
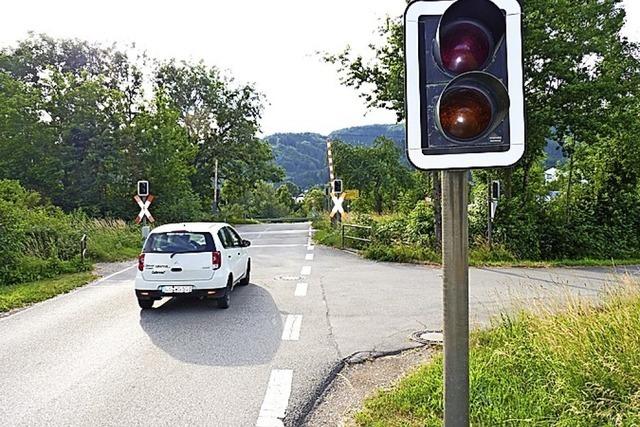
(214, 206)
(455, 267)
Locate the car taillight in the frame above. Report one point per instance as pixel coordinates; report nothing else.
(141, 262)
(216, 260)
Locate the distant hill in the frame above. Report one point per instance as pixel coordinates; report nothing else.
(365, 135)
(554, 153)
(304, 155)
(304, 158)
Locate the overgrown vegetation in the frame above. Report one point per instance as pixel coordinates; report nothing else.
(410, 238)
(582, 82)
(577, 368)
(38, 240)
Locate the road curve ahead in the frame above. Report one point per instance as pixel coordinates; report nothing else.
(92, 357)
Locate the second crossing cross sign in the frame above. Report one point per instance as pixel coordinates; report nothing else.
(337, 205)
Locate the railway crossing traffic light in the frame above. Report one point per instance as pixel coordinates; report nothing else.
(337, 186)
(143, 188)
(464, 84)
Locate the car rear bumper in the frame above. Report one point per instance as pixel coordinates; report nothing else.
(197, 293)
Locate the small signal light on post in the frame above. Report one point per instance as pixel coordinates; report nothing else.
(337, 186)
(495, 190)
(143, 188)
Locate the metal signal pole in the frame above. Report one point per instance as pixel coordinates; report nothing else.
(215, 188)
(489, 215)
(455, 266)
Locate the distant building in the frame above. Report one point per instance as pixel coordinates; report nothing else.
(550, 175)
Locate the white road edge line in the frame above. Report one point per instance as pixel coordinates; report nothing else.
(306, 270)
(276, 399)
(105, 278)
(308, 257)
(65, 295)
(292, 325)
(301, 289)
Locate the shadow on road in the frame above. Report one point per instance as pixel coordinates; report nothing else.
(194, 331)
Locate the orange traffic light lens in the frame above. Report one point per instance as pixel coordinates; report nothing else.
(464, 47)
(465, 113)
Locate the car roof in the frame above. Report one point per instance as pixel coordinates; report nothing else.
(196, 227)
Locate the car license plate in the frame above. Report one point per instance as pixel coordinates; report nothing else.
(176, 289)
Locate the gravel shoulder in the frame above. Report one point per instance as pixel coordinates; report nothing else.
(102, 269)
(357, 381)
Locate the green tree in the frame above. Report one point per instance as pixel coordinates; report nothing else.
(582, 81)
(376, 171)
(28, 149)
(167, 157)
(221, 120)
(314, 201)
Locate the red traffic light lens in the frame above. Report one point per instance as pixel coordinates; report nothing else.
(465, 113)
(464, 46)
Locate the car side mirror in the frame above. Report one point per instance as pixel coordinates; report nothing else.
(246, 243)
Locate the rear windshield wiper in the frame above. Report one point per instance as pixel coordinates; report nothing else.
(185, 252)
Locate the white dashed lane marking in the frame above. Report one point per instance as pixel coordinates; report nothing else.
(276, 399)
(309, 257)
(306, 270)
(292, 325)
(301, 289)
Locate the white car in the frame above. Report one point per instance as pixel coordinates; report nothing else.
(204, 260)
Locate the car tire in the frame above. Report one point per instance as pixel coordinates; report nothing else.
(247, 275)
(145, 304)
(226, 299)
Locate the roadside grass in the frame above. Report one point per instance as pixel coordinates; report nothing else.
(112, 241)
(407, 254)
(327, 237)
(577, 367)
(36, 278)
(23, 294)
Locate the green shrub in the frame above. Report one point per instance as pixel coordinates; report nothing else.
(392, 253)
(40, 241)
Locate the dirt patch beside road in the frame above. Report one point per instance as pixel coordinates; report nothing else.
(356, 382)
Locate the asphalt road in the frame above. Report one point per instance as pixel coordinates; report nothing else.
(92, 357)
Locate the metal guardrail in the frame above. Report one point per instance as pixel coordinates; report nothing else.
(356, 238)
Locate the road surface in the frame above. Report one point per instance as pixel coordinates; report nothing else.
(92, 357)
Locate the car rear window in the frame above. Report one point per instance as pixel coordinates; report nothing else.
(179, 242)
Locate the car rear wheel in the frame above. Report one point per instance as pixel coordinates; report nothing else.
(247, 276)
(145, 303)
(226, 299)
